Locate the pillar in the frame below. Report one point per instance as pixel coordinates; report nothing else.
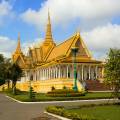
(96, 72)
(67, 71)
(82, 72)
(89, 72)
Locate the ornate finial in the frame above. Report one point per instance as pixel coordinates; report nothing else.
(18, 49)
(48, 37)
(48, 17)
(77, 32)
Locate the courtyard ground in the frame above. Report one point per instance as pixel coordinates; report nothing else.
(11, 110)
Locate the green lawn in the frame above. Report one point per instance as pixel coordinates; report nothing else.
(107, 112)
(23, 96)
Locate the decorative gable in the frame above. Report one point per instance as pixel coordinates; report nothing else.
(83, 52)
(20, 62)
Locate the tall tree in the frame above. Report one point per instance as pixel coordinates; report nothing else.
(112, 71)
(15, 74)
(7, 72)
(5, 64)
(2, 80)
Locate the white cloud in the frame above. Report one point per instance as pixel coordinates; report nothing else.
(36, 43)
(7, 46)
(5, 11)
(101, 38)
(64, 11)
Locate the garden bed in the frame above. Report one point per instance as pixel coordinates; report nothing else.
(24, 96)
(88, 112)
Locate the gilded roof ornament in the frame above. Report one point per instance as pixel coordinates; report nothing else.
(18, 49)
(48, 37)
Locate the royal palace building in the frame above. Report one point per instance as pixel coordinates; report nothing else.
(49, 65)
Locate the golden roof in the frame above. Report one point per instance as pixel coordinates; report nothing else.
(49, 52)
(64, 49)
(18, 49)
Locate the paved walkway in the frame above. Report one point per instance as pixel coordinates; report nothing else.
(12, 110)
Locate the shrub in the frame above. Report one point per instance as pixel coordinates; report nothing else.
(65, 93)
(62, 112)
(53, 88)
(32, 94)
(10, 91)
(64, 87)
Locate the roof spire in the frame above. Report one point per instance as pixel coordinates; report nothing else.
(49, 17)
(77, 32)
(18, 49)
(48, 37)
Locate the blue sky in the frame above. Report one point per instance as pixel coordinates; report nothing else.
(98, 23)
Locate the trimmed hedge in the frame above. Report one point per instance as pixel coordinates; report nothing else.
(62, 112)
(65, 93)
(60, 91)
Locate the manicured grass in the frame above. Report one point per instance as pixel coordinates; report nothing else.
(24, 96)
(107, 112)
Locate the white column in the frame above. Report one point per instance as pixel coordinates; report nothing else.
(67, 71)
(102, 72)
(52, 72)
(39, 74)
(82, 72)
(89, 72)
(63, 71)
(96, 72)
(59, 71)
(56, 71)
(71, 71)
(46, 74)
(43, 74)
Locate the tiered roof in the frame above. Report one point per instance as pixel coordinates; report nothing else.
(49, 52)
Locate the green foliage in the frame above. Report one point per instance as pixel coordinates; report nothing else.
(62, 112)
(9, 71)
(2, 81)
(24, 96)
(64, 87)
(10, 91)
(65, 93)
(53, 88)
(31, 94)
(101, 111)
(14, 74)
(4, 69)
(112, 70)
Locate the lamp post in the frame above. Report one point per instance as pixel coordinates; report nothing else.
(74, 52)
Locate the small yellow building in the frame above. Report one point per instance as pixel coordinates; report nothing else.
(50, 65)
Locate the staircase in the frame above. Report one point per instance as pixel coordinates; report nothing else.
(95, 85)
